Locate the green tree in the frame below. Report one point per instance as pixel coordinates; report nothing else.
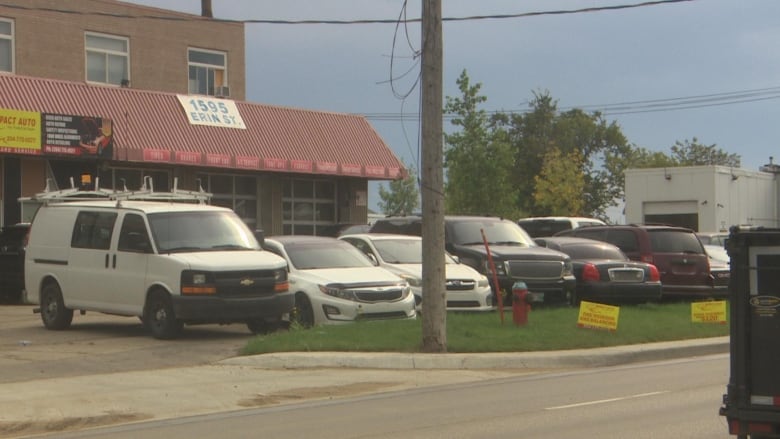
(477, 158)
(402, 197)
(543, 128)
(693, 153)
(560, 184)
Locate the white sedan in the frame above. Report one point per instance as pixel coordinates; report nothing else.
(333, 282)
(467, 290)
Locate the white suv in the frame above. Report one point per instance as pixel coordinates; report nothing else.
(168, 263)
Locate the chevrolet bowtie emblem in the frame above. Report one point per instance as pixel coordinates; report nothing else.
(247, 282)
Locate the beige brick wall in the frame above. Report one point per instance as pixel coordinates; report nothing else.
(51, 44)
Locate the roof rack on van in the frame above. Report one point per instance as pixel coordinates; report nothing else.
(146, 193)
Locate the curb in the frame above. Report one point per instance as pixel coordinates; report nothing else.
(596, 357)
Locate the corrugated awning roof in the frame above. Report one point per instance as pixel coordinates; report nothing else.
(153, 126)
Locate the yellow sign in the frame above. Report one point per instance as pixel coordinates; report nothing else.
(598, 316)
(20, 131)
(708, 312)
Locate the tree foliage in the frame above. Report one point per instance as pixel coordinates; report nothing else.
(477, 159)
(543, 128)
(560, 184)
(693, 153)
(521, 164)
(402, 197)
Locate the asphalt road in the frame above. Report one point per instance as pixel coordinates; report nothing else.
(670, 399)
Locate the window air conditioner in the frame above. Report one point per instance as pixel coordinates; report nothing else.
(222, 91)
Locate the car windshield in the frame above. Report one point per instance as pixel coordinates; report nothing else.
(338, 254)
(496, 232)
(176, 232)
(593, 252)
(403, 251)
(675, 241)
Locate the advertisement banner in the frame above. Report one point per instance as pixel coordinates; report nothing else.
(89, 137)
(20, 131)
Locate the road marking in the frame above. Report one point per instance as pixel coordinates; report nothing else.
(604, 401)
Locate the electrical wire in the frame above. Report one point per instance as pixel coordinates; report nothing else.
(346, 22)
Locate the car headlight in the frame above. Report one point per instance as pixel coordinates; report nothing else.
(197, 282)
(281, 284)
(568, 268)
(500, 268)
(412, 280)
(483, 282)
(338, 292)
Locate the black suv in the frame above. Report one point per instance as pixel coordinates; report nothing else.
(547, 273)
(675, 251)
(12, 242)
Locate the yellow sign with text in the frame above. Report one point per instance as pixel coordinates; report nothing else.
(709, 312)
(598, 316)
(20, 131)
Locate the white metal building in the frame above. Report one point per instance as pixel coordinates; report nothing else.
(703, 198)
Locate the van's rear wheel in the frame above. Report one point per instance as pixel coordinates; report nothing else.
(54, 314)
(160, 318)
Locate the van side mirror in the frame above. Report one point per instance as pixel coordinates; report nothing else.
(260, 236)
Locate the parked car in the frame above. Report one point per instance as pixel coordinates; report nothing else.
(713, 238)
(720, 268)
(675, 251)
(12, 244)
(467, 290)
(169, 264)
(547, 273)
(334, 282)
(550, 225)
(605, 274)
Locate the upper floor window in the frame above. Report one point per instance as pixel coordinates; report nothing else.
(208, 70)
(6, 45)
(108, 59)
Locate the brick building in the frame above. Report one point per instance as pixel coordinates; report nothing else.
(161, 94)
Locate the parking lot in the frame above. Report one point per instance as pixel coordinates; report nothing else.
(98, 343)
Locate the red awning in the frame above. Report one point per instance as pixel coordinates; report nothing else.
(151, 126)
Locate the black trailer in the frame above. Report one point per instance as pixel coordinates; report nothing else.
(752, 402)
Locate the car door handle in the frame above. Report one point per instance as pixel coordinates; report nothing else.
(106, 260)
(114, 261)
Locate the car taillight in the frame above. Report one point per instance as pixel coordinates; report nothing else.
(590, 273)
(655, 276)
(647, 258)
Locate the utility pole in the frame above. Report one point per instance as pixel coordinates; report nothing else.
(434, 312)
(205, 9)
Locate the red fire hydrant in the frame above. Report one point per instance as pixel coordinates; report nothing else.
(520, 305)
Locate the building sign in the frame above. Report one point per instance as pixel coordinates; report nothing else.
(207, 110)
(20, 131)
(77, 135)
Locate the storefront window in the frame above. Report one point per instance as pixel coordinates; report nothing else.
(308, 205)
(235, 192)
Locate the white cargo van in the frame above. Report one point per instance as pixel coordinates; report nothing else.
(167, 263)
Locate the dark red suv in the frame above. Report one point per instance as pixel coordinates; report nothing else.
(676, 251)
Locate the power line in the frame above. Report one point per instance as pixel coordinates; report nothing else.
(632, 107)
(346, 22)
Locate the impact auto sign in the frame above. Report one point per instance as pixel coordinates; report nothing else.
(20, 131)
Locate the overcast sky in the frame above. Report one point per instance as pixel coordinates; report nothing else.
(723, 54)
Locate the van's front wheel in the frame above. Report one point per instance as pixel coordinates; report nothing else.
(54, 314)
(159, 317)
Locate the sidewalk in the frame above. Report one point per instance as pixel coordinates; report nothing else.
(67, 404)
